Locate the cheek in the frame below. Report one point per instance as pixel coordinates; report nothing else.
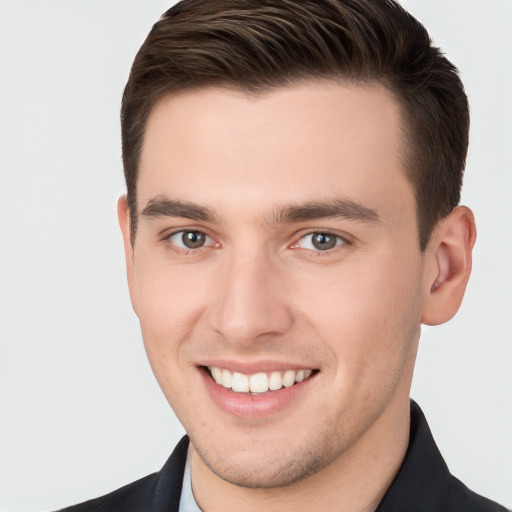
(169, 301)
(168, 306)
(368, 314)
(167, 296)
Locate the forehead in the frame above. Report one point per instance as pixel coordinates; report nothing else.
(296, 143)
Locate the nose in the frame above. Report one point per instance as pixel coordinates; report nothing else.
(250, 302)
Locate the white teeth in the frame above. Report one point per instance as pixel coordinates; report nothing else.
(289, 378)
(275, 381)
(216, 374)
(240, 383)
(227, 378)
(258, 382)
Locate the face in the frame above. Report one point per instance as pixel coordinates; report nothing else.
(276, 273)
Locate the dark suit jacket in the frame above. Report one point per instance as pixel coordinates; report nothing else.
(423, 483)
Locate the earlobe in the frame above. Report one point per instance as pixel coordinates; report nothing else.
(449, 255)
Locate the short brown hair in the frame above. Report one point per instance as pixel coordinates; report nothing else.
(256, 45)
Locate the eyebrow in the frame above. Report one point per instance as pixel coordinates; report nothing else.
(162, 206)
(329, 209)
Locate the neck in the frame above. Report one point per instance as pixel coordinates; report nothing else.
(355, 482)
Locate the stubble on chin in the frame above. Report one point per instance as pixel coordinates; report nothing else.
(279, 469)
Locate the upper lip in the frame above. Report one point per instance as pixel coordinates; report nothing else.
(251, 367)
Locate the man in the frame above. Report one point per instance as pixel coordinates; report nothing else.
(293, 177)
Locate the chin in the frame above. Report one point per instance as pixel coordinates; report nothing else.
(260, 469)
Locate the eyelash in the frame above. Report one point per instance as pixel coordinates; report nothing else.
(173, 247)
(340, 242)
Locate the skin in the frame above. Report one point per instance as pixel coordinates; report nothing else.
(258, 291)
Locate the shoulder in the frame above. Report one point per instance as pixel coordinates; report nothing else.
(460, 497)
(134, 496)
(424, 482)
(160, 491)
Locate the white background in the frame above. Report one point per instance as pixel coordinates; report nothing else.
(80, 412)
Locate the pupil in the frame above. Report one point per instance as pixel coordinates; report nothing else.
(193, 239)
(323, 241)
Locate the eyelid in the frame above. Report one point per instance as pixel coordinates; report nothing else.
(169, 234)
(166, 236)
(342, 239)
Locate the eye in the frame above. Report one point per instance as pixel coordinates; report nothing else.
(320, 241)
(190, 239)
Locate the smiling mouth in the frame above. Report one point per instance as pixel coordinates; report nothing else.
(260, 382)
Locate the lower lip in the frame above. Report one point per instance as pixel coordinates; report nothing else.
(245, 405)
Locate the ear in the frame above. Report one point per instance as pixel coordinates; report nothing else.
(123, 214)
(448, 266)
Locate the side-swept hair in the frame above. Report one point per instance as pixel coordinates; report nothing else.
(257, 45)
